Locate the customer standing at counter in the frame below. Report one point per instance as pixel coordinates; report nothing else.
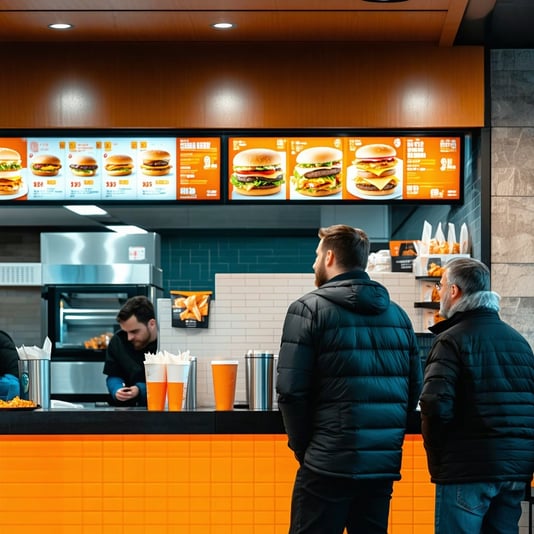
(348, 374)
(477, 408)
(9, 367)
(125, 354)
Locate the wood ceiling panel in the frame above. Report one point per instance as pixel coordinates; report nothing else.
(362, 26)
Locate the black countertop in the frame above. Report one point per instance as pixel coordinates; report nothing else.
(140, 421)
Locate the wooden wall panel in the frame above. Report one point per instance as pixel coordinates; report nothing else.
(303, 85)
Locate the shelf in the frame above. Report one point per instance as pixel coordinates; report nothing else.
(428, 278)
(427, 305)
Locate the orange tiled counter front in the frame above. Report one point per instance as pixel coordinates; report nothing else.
(168, 483)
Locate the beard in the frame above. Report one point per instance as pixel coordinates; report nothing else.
(320, 275)
(445, 307)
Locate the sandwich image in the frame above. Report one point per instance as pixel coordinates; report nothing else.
(376, 166)
(10, 171)
(318, 171)
(119, 165)
(257, 171)
(83, 165)
(45, 165)
(155, 162)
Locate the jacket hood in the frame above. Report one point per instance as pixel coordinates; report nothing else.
(355, 291)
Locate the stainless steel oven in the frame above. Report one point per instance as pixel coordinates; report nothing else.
(87, 277)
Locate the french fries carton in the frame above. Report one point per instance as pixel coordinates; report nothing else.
(190, 309)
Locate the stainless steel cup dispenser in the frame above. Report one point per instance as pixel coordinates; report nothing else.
(259, 371)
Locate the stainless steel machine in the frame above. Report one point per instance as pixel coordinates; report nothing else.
(86, 278)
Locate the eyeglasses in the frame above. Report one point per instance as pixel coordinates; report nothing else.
(439, 285)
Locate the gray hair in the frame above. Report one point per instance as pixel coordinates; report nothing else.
(472, 277)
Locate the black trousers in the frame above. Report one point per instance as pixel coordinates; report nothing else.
(328, 505)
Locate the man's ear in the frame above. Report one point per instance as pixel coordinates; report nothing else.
(329, 258)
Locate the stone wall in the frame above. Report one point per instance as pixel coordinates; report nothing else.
(512, 185)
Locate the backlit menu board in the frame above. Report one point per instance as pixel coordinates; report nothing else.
(396, 168)
(75, 169)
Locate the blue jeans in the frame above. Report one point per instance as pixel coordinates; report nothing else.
(328, 505)
(478, 508)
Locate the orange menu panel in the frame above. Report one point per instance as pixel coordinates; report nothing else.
(157, 484)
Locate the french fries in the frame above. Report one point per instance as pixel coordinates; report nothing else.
(191, 304)
(17, 402)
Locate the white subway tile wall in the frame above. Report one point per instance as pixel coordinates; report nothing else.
(248, 313)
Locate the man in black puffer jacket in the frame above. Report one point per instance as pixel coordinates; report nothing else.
(348, 374)
(477, 408)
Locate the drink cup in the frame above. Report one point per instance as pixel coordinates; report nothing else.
(224, 374)
(177, 374)
(156, 385)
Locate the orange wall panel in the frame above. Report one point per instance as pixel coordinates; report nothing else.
(158, 484)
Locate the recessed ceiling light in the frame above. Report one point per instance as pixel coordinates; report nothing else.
(223, 25)
(86, 209)
(60, 26)
(126, 229)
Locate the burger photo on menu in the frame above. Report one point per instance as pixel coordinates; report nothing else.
(155, 162)
(318, 171)
(119, 165)
(375, 172)
(257, 172)
(83, 165)
(45, 165)
(10, 172)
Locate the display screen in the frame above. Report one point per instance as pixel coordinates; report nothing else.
(345, 168)
(106, 168)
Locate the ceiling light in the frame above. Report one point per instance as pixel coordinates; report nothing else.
(223, 25)
(126, 229)
(87, 210)
(60, 26)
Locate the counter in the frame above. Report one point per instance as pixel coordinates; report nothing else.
(140, 421)
(129, 470)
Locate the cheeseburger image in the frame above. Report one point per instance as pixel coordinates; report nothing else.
(318, 171)
(376, 166)
(257, 171)
(45, 165)
(83, 165)
(119, 165)
(10, 171)
(155, 162)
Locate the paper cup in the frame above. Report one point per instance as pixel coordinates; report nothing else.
(224, 374)
(156, 385)
(177, 374)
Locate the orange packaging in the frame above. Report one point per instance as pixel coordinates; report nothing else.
(224, 374)
(177, 376)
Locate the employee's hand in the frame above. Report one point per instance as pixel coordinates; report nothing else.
(127, 393)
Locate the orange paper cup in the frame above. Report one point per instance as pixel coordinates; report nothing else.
(156, 385)
(224, 374)
(177, 374)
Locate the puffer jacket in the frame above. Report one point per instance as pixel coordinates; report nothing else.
(477, 403)
(348, 373)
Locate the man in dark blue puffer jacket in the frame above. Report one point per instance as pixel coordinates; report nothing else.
(477, 408)
(348, 374)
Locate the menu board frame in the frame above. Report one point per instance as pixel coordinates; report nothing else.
(285, 140)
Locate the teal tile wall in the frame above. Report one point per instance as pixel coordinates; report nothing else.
(190, 263)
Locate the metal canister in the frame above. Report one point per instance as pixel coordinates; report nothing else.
(191, 394)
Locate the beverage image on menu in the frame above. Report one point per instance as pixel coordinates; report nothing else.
(318, 172)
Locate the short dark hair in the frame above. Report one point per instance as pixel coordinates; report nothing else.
(139, 306)
(350, 245)
(470, 275)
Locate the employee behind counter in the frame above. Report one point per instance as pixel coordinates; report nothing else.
(9, 368)
(125, 354)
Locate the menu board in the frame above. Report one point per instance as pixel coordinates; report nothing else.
(396, 168)
(110, 168)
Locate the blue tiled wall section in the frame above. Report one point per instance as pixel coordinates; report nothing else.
(190, 263)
